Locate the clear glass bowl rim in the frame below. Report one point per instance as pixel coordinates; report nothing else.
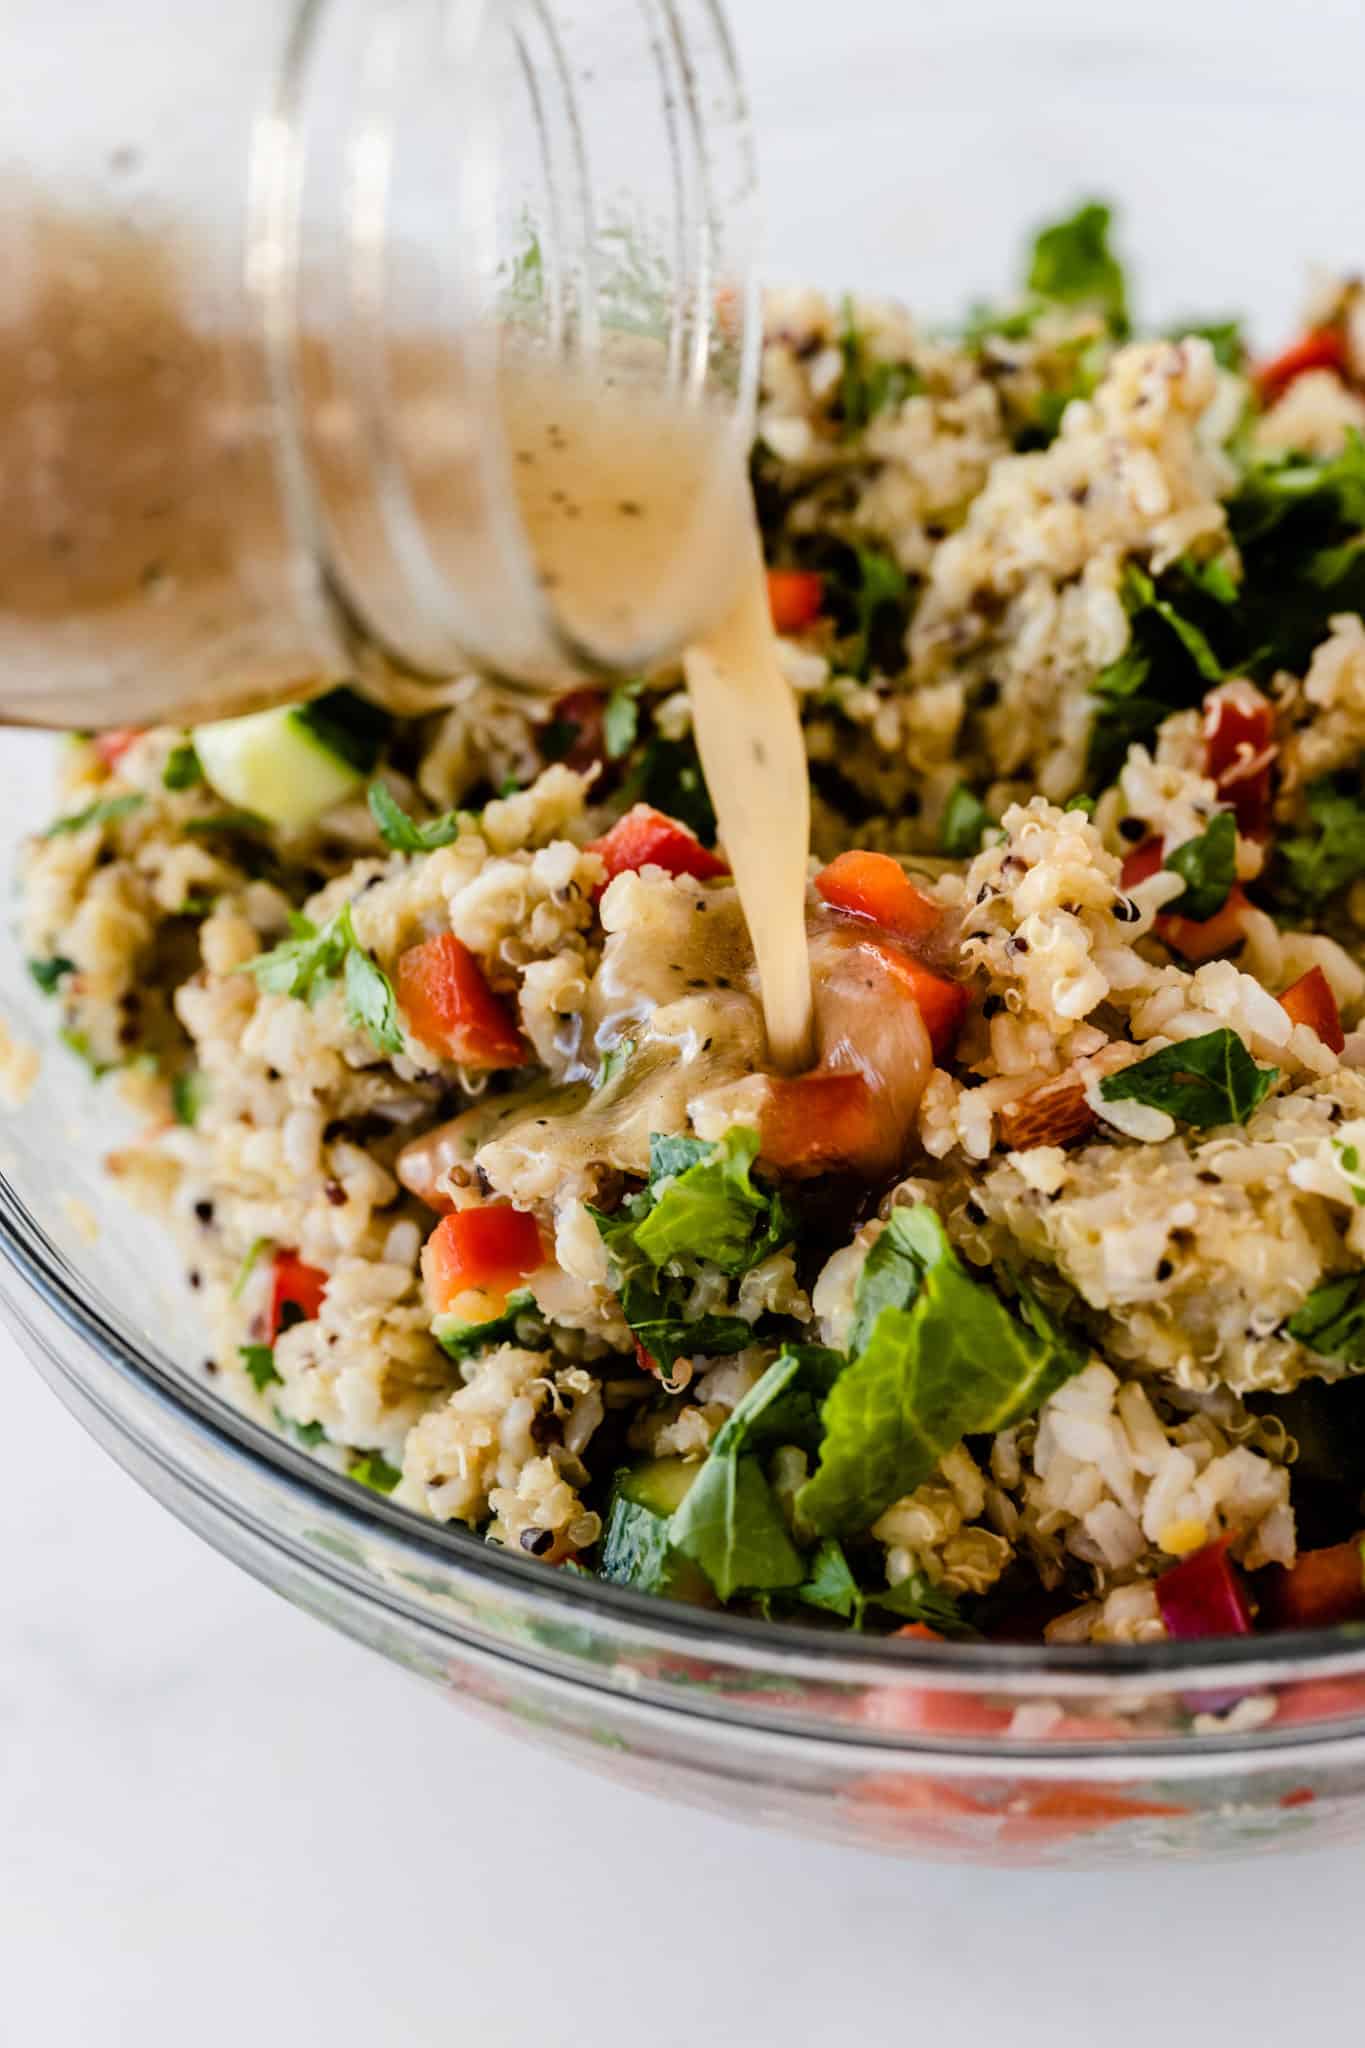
(780, 1647)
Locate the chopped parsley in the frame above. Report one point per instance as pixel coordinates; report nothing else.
(668, 775)
(1332, 1319)
(372, 1470)
(941, 1358)
(183, 769)
(189, 1091)
(867, 386)
(309, 1434)
(1314, 865)
(49, 973)
(1202, 1081)
(1072, 264)
(258, 1363)
(404, 834)
(309, 962)
(832, 1587)
(965, 819)
(248, 1267)
(621, 721)
(1208, 867)
(106, 811)
(1168, 665)
(1225, 337)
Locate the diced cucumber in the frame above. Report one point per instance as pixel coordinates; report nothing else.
(635, 1548)
(290, 765)
(661, 1484)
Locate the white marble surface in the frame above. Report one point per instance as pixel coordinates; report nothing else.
(219, 1823)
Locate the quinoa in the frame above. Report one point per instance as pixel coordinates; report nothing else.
(1028, 1302)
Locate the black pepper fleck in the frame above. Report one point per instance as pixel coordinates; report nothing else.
(537, 1541)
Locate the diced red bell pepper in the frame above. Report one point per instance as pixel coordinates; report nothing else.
(111, 746)
(646, 1360)
(1320, 1588)
(1198, 941)
(297, 1287)
(1141, 863)
(795, 598)
(586, 710)
(815, 1122)
(490, 1249)
(1056, 1813)
(926, 1710)
(1322, 348)
(645, 838)
(1194, 939)
(450, 1009)
(875, 887)
(1239, 748)
(941, 1003)
(1310, 1001)
(1203, 1595)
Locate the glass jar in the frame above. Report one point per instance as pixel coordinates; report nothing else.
(263, 270)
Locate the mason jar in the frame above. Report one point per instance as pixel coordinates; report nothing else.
(266, 271)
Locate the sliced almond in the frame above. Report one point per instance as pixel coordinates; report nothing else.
(1055, 1113)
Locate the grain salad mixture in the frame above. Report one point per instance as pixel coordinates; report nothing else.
(1036, 1308)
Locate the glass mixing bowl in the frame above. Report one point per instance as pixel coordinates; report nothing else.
(901, 152)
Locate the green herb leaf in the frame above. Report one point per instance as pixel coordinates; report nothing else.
(668, 775)
(79, 1043)
(1313, 866)
(1332, 1319)
(307, 963)
(700, 1204)
(893, 1271)
(1073, 263)
(1225, 336)
(883, 605)
(371, 1004)
(465, 1340)
(1205, 1081)
(868, 386)
(404, 834)
(189, 1092)
(309, 1434)
(48, 973)
(182, 769)
(224, 821)
(831, 1584)
(372, 1470)
(955, 1363)
(258, 1361)
(302, 964)
(730, 1523)
(832, 1587)
(1081, 802)
(965, 819)
(248, 1267)
(1208, 867)
(710, 1209)
(621, 721)
(107, 811)
(917, 1598)
(1168, 665)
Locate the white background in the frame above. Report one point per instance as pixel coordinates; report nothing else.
(221, 1824)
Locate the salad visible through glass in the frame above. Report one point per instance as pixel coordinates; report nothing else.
(1032, 1303)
